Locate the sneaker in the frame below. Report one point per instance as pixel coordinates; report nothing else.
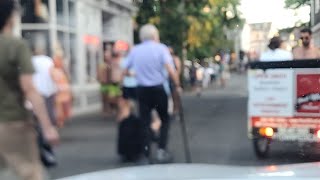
(48, 159)
(155, 137)
(175, 117)
(163, 157)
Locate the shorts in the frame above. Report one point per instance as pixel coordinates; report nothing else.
(129, 93)
(19, 150)
(172, 86)
(112, 90)
(193, 81)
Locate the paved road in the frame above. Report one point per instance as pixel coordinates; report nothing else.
(217, 131)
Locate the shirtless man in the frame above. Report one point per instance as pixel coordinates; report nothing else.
(307, 51)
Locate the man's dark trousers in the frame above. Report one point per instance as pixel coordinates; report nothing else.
(150, 98)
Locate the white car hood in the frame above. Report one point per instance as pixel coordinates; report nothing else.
(204, 172)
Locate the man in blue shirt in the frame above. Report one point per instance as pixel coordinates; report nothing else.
(148, 60)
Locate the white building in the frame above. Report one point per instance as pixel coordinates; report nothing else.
(315, 21)
(259, 36)
(81, 27)
(255, 38)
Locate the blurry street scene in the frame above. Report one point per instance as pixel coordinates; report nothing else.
(99, 85)
(204, 133)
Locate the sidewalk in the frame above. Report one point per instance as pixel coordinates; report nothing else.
(88, 143)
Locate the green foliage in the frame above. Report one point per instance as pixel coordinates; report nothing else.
(148, 9)
(295, 4)
(198, 25)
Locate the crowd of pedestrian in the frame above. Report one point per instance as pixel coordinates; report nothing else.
(137, 83)
(202, 75)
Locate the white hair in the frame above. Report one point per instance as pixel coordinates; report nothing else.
(149, 32)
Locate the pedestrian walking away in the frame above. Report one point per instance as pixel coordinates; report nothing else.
(63, 98)
(18, 146)
(199, 80)
(206, 75)
(193, 76)
(110, 76)
(148, 60)
(104, 75)
(43, 80)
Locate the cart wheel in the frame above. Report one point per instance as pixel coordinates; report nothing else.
(261, 146)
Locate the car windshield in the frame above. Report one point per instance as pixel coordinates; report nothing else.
(98, 85)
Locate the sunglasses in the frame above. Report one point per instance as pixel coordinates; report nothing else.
(304, 38)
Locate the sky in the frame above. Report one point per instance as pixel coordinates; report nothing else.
(258, 11)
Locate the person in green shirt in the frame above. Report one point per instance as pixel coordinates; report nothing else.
(18, 145)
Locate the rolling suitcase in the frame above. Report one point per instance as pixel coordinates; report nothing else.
(129, 143)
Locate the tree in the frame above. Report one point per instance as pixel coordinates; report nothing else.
(295, 4)
(208, 27)
(148, 9)
(200, 26)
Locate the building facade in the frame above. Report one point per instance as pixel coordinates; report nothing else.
(315, 21)
(79, 27)
(259, 37)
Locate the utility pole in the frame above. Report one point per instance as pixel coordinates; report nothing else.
(184, 39)
(184, 58)
(184, 34)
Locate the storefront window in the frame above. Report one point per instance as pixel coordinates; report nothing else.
(73, 59)
(88, 64)
(68, 43)
(72, 14)
(61, 15)
(92, 45)
(35, 11)
(63, 40)
(66, 12)
(38, 39)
